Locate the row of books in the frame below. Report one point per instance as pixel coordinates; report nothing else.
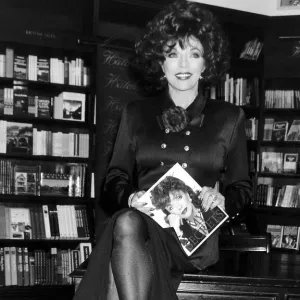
(281, 131)
(282, 99)
(280, 196)
(251, 126)
(28, 139)
(18, 101)
(21, 177)
(21, 267)
(43, 222)
(239, 91)
(278, 162)
(286, 237)
(252, 49)
(46, 69)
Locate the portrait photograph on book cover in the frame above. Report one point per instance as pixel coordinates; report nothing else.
(176, 203)
(73, 110)
(19, 138)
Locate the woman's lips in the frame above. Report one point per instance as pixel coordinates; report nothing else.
(183, 76)
(184, 211)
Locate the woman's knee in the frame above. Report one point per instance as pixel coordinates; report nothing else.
(129, 223)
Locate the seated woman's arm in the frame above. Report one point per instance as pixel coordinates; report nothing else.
(237, 185)
(119, 179)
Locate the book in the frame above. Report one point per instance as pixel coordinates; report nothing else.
(290, 162)
(44, 106)
(279, 132)
(275, 231)
(19, 138)
(26, 179)
(20, 67)
(73, 105)
(20, 106)
(290, 237)
(20, 225)
(268, 128)
(175, 201)
(294, 131)
(43, 69)
(54, 184)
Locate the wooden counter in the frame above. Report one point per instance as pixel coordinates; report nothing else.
(245, 276)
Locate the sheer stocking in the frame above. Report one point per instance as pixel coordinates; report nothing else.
(131, 261)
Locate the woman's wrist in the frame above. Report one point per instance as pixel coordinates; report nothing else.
(130, 198)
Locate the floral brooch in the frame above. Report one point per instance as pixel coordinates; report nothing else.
(175, 119)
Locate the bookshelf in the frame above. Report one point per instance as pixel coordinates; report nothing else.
(276, 201)
(47, 129)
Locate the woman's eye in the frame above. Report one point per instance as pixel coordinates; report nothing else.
(170, 207)
(196, 55)
(172, 55)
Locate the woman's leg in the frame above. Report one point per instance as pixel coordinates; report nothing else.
(131, 261)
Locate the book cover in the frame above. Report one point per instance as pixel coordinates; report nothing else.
(54, 184)
(43, 69)
(26, 179)
(279, 132)
(290, 162)
(20, 67)
(275, 231)
(73, 105)
(20, 223)
(44, 106)
(20, 100)
(290, 237)
(175, 200)
(294, 131)
(19, 138)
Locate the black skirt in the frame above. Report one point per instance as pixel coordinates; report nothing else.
(169, 260)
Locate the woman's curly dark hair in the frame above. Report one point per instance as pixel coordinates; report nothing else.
(177, 22)
(160, 194)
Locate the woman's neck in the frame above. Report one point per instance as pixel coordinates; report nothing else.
(183, 98)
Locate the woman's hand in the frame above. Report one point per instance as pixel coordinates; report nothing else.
(211, 198)
(175, 221)
(141, 206)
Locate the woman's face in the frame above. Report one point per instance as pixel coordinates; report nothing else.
(183, 67)
(180, 204)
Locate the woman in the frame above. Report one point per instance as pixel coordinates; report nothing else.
(135, 258)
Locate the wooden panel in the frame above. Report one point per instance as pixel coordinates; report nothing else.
(225, 296)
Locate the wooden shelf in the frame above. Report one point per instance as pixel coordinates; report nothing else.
(45, 85)
(20, 156)
(45, 121)
(277, 175)
(43, 242)
(32, 199)
(280, 144)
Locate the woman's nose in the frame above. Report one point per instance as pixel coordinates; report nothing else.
(183, 60)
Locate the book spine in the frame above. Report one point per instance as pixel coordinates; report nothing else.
(2, 267)
(20, 267)
(13, 266)
(26, 266)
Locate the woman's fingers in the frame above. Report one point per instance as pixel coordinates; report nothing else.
(211, 198)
